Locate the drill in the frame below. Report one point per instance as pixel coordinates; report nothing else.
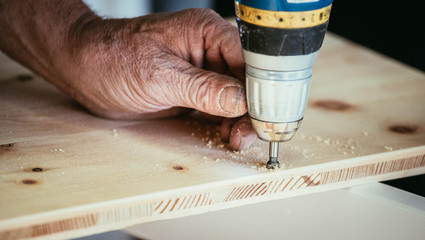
(280, 41)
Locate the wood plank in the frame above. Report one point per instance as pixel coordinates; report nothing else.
(65, 173)
(369, 211)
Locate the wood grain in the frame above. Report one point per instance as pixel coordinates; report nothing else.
(66, 173)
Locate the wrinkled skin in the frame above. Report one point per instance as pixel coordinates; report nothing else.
(144, 68)
(158, 65)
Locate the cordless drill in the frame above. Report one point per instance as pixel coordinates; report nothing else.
(280, 41)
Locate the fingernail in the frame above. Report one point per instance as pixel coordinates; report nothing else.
(231, 99)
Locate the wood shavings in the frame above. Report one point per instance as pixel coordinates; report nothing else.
(317, 138)
(114, 132)
(211, 137)
(57, 150)
(263, 168)
(388, 148)
(254, 157)
(304, 152)
(344, 147)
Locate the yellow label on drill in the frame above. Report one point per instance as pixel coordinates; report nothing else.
(281, 19)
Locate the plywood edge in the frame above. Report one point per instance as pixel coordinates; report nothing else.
(120, 213)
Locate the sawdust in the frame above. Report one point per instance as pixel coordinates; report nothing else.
(57, 150)
(255, 157)
(211, 139)
(263, 168)
(344, 147)
(114, 132)
(388, 148)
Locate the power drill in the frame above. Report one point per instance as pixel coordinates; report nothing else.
(280, 41)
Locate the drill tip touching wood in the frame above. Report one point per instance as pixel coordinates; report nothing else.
(273, 162)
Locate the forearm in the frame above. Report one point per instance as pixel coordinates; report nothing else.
(34, 32)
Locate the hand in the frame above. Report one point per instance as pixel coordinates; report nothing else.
(160, 65)
(148, 67)
(238, 132)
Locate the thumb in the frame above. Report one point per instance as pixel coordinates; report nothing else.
(210, 92)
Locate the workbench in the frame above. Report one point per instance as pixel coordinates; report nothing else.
(65, 173)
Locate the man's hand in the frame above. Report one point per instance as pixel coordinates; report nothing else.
(152, 66)
(148, 66)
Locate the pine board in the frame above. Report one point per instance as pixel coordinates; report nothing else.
(65, 173)
(367, 211)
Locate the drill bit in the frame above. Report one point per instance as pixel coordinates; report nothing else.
(273, 162)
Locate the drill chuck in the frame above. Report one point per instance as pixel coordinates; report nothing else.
(277, 99)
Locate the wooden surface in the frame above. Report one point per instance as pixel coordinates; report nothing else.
(369, 211)
(65, 173)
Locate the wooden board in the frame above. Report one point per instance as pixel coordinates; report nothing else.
(368, 211)
(65, 173)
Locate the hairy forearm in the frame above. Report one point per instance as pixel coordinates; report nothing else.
(35, 31)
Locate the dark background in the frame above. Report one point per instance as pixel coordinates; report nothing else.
(392, 28)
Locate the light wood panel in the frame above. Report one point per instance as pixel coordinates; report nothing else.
(369, 211)
(65, 173)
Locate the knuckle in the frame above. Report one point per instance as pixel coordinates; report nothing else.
(202, 16)
(201, 90)
(203, 12)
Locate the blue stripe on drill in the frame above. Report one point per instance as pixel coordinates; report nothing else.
(286, 5)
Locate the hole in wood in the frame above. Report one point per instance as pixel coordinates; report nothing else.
(178, 168)
(403, 129)
(37, 169)
(332, 105)
(7, 145)
(29, 181)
